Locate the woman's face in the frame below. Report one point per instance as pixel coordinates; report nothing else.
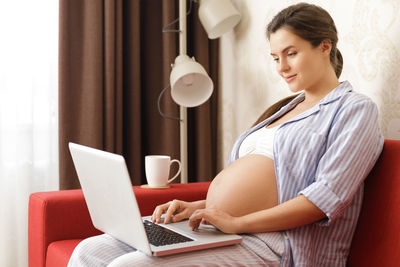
(297, 62)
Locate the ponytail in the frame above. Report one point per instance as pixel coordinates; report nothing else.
(337, 63)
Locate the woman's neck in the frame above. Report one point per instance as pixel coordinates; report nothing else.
(320, 90)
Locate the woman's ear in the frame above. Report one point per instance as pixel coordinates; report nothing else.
(326, 46)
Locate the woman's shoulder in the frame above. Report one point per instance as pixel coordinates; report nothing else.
(353, 97)
(355, 104)
(345, 100)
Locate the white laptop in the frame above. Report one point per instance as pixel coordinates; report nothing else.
(108, 192)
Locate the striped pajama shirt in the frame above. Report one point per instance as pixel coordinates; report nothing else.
(324, 154)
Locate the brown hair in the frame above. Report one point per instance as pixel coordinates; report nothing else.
(311, 23)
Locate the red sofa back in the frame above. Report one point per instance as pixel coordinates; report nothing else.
(377, 238)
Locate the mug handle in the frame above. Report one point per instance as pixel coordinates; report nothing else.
(179, 171)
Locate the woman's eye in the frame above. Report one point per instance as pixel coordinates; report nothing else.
(290, 54)
(276, 59)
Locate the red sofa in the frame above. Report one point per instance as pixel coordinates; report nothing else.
(59, 220)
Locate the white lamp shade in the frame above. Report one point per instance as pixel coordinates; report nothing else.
(190, 84)
(218, 17)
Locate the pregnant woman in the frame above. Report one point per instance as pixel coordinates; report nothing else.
(294, 184)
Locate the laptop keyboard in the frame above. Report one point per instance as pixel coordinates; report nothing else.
(160, 236)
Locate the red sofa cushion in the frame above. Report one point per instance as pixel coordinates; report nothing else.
(59, 252)
(377, 238)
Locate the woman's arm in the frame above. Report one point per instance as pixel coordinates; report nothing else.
(293, 213)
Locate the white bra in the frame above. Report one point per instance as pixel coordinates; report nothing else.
(259, 142)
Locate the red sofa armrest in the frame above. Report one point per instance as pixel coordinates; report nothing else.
(63, 215)
(376, 240)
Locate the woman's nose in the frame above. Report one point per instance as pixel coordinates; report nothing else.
(283, 66)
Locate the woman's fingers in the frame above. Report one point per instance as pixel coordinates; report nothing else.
(179, 216)
(175, 211)
(197, 217)
(221, 220)
(172, 209)
(158, 211)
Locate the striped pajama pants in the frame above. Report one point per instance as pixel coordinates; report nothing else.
(263, 249)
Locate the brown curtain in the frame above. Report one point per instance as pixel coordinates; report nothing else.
(114, 61)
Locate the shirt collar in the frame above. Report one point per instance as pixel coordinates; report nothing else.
(340, 90)
(336, 93)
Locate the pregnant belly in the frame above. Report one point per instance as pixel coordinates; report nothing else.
(245, 186)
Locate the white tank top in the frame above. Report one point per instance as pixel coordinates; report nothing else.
(259, 142)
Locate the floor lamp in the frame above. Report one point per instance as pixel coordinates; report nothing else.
(190, 84)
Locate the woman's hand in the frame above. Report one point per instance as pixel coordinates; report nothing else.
(177, 210)
(220, 219)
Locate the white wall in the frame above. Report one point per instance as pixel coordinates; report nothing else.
(369, 40)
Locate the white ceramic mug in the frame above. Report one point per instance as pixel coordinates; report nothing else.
(157, 170)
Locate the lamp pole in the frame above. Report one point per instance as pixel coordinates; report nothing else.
(190, 84)
(183, 110)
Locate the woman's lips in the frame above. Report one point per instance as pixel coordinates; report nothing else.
(290, 78)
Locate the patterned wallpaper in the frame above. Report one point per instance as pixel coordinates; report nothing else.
(369, 40)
